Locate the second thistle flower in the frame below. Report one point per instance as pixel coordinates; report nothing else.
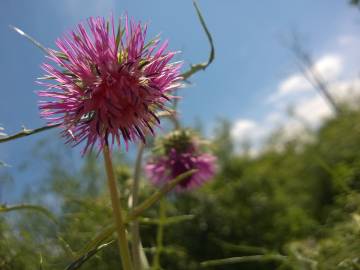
(177, 153)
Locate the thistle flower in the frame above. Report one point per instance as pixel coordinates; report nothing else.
(178, 153)
(109, 85)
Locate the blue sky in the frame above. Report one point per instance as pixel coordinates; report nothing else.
(252, 81)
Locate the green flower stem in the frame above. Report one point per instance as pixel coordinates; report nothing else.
(119, 221)
(135, 232)
(160, 235)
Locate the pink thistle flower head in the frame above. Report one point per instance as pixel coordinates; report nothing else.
(109, 83)
(178, 153)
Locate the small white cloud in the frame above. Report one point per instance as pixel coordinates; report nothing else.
(291, 128)
(293, 84)
(2, 134)
(346, 91)
(329, 66)
(243, 129)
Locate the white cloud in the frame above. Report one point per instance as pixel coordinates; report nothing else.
(308, 108)
(313, 110)
(295, 106)
(293, 84)
(244, 129)
(329, 67)
(309, 112)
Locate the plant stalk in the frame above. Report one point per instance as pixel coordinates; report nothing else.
(135, 231)
(160, 235)
(116, 205)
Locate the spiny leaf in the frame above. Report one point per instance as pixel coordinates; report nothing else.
(202, 66)
(80, 261)
(168, 221)
(30, 38)
(252, 258)
(100, 238)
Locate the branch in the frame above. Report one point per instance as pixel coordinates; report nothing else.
(5, 208)
(201, 66)
(136, 245)
(26, 132)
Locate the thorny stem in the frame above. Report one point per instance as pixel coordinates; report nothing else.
(135, 233)
(119, 221)
(160, 235)
(27, 132)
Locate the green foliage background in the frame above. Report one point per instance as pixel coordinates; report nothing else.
(301, 201)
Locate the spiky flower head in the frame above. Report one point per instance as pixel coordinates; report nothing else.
(177, 153)
(109, 83)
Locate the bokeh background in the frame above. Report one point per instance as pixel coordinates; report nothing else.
(289, 163)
